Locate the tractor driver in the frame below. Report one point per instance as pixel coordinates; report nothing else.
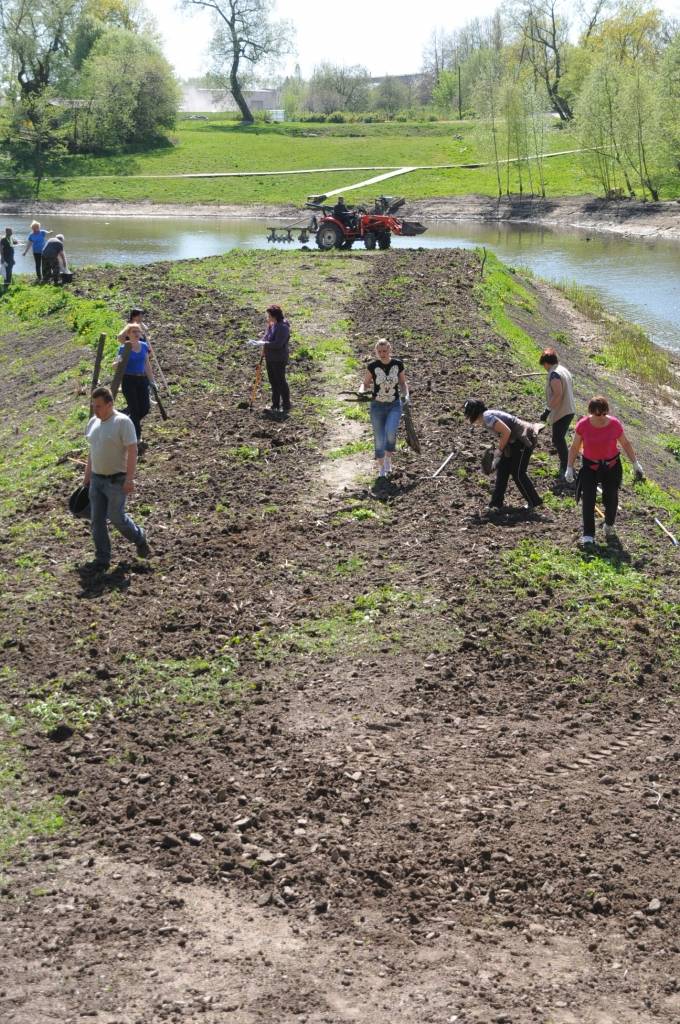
(341, 212)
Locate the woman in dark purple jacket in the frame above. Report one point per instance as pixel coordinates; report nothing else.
(276, 339)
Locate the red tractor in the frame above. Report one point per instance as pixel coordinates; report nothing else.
(340, 226)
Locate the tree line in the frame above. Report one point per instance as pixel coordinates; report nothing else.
(80, 76)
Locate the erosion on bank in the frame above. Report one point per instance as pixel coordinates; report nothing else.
(332, 755)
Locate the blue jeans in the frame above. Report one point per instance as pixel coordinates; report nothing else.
(107, 501)
(385, 418)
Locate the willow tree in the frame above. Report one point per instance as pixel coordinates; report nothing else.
(245, 36)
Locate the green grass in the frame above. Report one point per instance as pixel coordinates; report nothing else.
(671, 443)
(535, 564)
(627, 347)
(499, 292)
(226, 146)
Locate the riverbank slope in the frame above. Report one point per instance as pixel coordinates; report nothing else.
(332, 754)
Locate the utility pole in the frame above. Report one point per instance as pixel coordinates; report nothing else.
(460, 102)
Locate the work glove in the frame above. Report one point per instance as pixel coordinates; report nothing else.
(406, 399)
(497, 456)
(545, 415)
(639, 472)
(569, 474)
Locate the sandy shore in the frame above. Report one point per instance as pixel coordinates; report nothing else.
(625, 217)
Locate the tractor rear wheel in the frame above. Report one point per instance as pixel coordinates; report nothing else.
(369, 240)
(329, 237)
(384, 240)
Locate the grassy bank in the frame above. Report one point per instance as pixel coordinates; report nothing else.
(225, 146)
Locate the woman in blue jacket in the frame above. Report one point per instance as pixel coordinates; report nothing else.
(276, 351)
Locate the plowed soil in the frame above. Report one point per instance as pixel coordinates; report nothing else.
(360, 754)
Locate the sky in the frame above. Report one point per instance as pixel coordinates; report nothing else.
(370, 32)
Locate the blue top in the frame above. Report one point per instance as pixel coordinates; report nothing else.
(137, 360)
(277, 338)
(37, 239)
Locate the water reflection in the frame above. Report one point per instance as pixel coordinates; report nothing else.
(638, 278)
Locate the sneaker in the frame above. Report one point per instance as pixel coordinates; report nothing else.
(143, 549)
(94, 568)
(491, 508)
(609, 531)
(382, 472)
(587, 541)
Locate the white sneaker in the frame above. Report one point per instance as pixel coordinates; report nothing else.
(585, 540)
(382, 472)
(609, 531)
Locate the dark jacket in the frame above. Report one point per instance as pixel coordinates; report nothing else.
(276, 341)
(7, 249)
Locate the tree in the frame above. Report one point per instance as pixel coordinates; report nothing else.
(390, 95)
(543, 37)
(36, 40)
(334, 87)
(127, 90)
(35, 140)
(245, 37)
(99, 15)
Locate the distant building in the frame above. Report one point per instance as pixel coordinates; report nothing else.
(216, 101)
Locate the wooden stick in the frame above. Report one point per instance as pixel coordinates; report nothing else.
(516, 376)
(599, 511)
(97, 365)
(443, 465)
(667, 532)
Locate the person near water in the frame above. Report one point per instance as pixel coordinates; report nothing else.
(516, 440)
(137, 376)
(110, 476)
(37, 241)
(276, 350)
(559, 403)
(7, 246)
(599, 438)
(386, 379)
(54, 259)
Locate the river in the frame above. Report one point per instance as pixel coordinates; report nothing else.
(636, 277)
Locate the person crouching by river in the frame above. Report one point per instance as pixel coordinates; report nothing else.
(516, 440)
(110, 476)
(386, 378)
(559, 401)
(275, 354)
(599, 435)
(137, 376)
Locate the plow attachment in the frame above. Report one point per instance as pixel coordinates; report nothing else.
(411, 228)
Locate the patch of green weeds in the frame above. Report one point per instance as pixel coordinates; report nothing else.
(244, 453)
(499, 291)
(536, 564)
(352, 448)
(174, 681)
(58, 706)
(671, 443)
(349, 566)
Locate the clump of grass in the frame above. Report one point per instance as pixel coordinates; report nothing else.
(500, 291)
(536, 564)
(350, 565)
(671, 442)
(244, 452)
(352, 448)
(586, 299)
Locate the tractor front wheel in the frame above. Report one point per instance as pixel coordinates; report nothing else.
(384, 240)
(369, 240)
(329, 237)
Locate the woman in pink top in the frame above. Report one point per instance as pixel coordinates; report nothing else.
(600, 435)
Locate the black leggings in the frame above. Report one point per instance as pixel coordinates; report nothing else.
(280, 390)
(559, 433)
(37, 256)
(136, 391)
(609, 477)
(515, 465)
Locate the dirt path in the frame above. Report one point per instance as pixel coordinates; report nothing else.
(338, 757)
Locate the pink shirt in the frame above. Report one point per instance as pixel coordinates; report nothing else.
(599, 442)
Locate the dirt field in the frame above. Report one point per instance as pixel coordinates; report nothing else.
(337, 753)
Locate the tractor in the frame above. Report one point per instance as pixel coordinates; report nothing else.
(374, 227)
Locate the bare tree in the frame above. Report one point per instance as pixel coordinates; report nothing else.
(544, 39)
(245, 37)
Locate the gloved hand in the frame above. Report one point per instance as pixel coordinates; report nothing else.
(406, 399)
(639, 472)
(544, 416)
(497, 456)
(569, 474)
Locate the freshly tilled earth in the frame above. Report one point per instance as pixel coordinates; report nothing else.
(364, 756)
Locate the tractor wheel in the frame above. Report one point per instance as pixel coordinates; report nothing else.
(329, 237)
(369, 240)
(384, 240)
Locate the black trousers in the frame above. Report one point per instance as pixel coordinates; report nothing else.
(559, 434)
(136, 391)
(515, 465)
(51, 269)
(609, 478)
(279, 385)
(37, 256)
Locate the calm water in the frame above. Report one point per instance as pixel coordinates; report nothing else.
(638, 278)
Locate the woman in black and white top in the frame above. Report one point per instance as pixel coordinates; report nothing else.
(516, 440)
(386, 379)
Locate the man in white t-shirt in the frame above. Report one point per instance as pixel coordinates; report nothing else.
(110, 474)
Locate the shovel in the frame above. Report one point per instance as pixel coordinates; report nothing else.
(256, 384)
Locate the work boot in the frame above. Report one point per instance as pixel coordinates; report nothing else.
(587, 541)
(143, 549)
(609, 531)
